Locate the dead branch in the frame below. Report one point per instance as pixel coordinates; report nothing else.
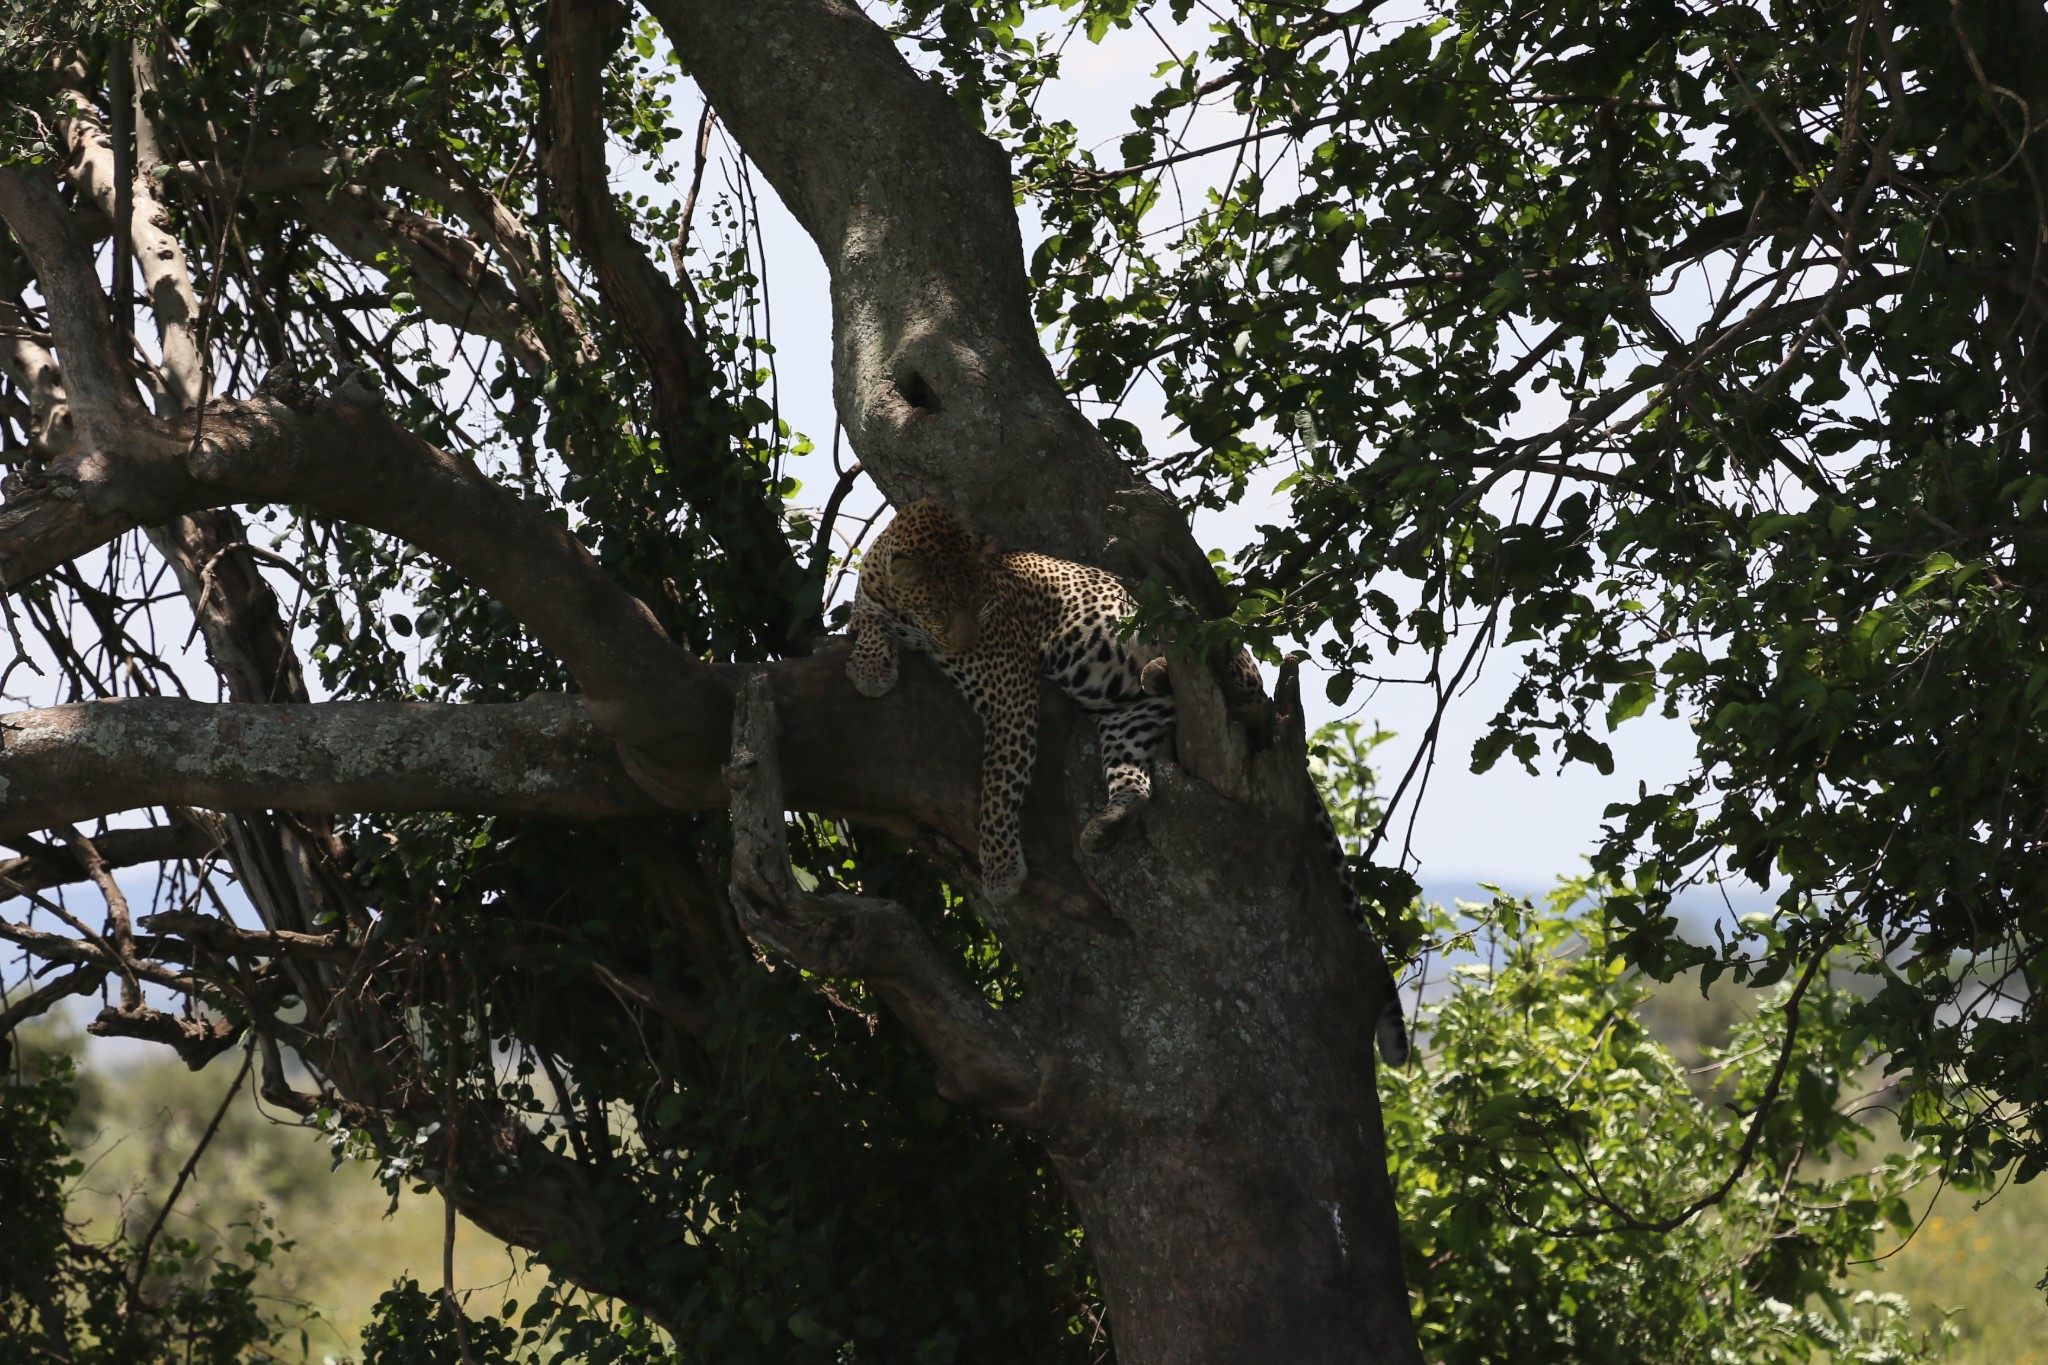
(77, 981)
(196, 1041)
(117, 908)
(46, 868)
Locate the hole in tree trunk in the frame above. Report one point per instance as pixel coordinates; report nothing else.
(917, 392)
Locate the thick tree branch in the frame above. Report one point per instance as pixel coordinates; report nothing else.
(347, 460)
(232, 605)
(983, 1059)
(551, 1203)
(938, 370)
(452, 278)
(539, 758)
(908, 762)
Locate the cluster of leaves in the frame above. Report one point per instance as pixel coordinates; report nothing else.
(785, 1171)
(1693, 350)
(66, 1297)
(1559, 1170)
(1543, 1156)
(414, 1326)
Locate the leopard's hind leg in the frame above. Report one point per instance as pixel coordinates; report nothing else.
(1004, 693)
(1130, 736)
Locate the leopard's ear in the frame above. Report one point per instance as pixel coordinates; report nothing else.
(908, 570)
(989, 549)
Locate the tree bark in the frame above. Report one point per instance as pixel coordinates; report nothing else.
(938, 372)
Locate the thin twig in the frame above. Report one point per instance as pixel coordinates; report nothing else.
(821, 547)
(117, 909)
(191, 1163)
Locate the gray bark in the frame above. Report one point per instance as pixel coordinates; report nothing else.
(542, 758)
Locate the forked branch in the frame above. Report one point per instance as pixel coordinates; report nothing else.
(983, 1058)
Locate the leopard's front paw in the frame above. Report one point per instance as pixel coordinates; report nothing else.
(872, 679)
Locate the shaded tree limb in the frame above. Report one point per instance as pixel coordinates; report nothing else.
(45, 867)
(734, 502)
(95, 363)
(95, 171)
(983, 1058)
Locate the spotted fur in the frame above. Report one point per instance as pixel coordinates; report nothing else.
(995, 622)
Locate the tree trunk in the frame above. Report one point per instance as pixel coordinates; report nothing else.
(1201, 1011)
(1232, 1168)
(1194, 1046)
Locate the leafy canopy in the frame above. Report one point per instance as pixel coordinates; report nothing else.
(1689, 354)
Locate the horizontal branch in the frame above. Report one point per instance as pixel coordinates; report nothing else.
(541, 758)
(345, 459)
(78, 981)
(909, 761)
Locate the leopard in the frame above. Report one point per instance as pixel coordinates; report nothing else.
(995, 622)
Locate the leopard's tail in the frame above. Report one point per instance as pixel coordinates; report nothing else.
(1392, 1031)
(1392, 1028)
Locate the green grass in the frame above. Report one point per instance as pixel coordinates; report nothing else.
(136, 1127)
(1983, 1263)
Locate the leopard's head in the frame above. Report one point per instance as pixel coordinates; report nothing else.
(927, 571)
